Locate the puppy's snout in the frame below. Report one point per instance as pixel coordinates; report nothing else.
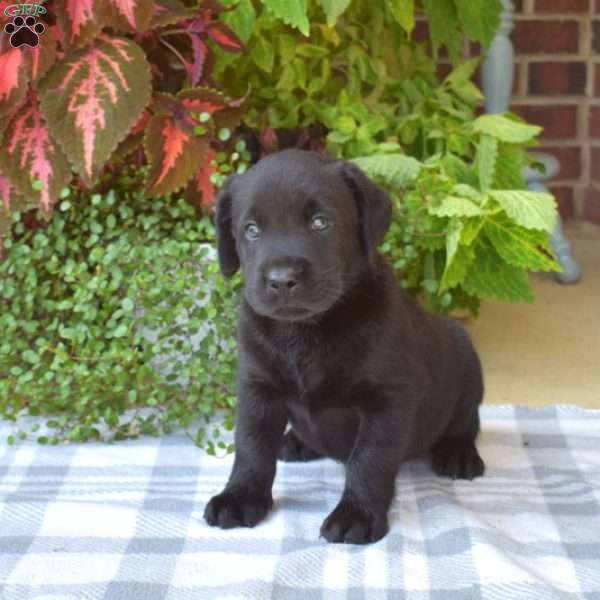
(282, 278)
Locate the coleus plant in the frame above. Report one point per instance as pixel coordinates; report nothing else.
(113, 81)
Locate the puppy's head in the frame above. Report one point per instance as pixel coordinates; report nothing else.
(302, 227)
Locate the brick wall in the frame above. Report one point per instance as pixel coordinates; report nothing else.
(557, 45)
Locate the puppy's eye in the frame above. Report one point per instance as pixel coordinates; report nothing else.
(319, 223)
(252, 231)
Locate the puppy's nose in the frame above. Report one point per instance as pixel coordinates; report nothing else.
(282, 278)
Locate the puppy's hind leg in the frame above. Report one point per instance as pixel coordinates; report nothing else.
(455, 454)
(293, 449)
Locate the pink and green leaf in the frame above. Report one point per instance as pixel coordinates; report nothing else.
(14, 79)
(126, 15)
(31, 159)
(167, 12)
(8, 193)
(44, 55)
(173, 151)
(78, 19)
(93, 97)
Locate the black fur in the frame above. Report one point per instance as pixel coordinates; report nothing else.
(329, 343)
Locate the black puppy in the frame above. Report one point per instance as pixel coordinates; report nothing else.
(330, 343)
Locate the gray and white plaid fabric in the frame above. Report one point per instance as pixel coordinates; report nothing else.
(125, 521)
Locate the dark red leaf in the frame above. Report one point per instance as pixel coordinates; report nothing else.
(224, 36)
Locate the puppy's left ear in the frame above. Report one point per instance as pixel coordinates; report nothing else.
(229, 260)
(374, 207)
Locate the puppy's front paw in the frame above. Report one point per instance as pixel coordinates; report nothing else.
(351, 524)
(237, 509)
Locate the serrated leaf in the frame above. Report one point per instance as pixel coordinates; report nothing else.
(333, 9)
(14, 78)
(29, 153)
(509, 168)
(456, 270)
(463, 72)
(487, 153)
(521, 247)
(263, 55)
(126, 15)
(224, 36)
(396, 170)
(166, 12)
(77, 19)
(490, 276)
(93, 97)
(43, 56)
(444, 26)
(404, 13)
(505, 129)
(241, 19)
(201, 190)
(532, 210)
(455, 206)
(458, 169)
(291, 12)
(8, 198)
(480, 18)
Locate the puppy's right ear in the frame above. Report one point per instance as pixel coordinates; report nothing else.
(229, 260)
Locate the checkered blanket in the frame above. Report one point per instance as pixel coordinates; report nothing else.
(125, 521)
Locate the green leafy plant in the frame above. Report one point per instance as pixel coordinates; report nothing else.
(105, 313)
(459, 234)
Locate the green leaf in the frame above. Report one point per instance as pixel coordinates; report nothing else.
(397, 170)
(532, 210)
(404, 13)
(241, 19)
(509, 168)
(444, 26)
(333, 9)
(291, 12)
(120, 331)
(490, 277)
(487, 153)
(454, 206)
(521, 247)
(505, 129)
(127, 304)
(480, 18)
(457, 268)
(263, 55)
(345, 125)
(31, 357)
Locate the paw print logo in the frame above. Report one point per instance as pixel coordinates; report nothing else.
(24, 32)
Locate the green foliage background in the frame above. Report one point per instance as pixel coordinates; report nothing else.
(76, 296)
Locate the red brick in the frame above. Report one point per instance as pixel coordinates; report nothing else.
(561, 6)
(591, 210)
(597, 80)
(596, 35)
(595, 121)
(564, 198)
(569, 158)
(558, 121)
(596, 163)
(557, 78)
(535, 37)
